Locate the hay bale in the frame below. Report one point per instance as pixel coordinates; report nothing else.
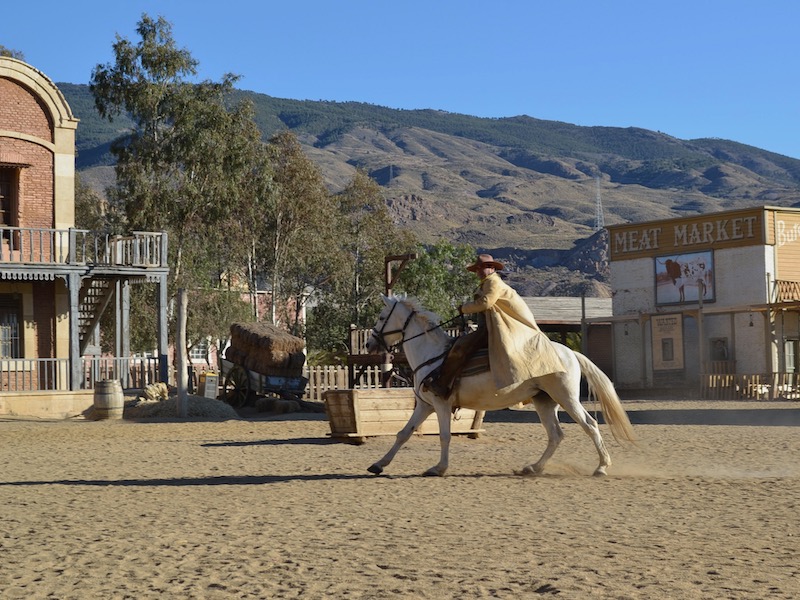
(265, 335)
(155, 392)
(266, 349)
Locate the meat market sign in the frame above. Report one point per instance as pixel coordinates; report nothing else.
(679, 236)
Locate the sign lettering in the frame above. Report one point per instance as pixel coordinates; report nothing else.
(694, 235)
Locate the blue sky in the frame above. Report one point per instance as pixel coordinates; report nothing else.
(697, 68)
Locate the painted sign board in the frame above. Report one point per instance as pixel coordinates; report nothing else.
(689, 234)
(667, 341)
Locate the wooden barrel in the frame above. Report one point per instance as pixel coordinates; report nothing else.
(109, 401)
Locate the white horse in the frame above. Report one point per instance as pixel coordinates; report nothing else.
(425, 344)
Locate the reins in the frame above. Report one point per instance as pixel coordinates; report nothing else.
(379, 335)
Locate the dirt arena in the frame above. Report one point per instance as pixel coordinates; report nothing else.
(706, 507)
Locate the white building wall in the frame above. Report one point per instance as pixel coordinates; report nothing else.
(633, 283)
(741, 277)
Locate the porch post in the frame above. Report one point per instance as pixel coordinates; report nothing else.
(163, 359)
(118, 330)
(122, 345)
(75, 366)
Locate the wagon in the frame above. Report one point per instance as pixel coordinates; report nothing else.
(240, 383)
(262, 360)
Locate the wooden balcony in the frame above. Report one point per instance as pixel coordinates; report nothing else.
(40, 247)
(787, 291)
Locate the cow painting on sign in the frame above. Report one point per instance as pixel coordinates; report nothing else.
(678, 273)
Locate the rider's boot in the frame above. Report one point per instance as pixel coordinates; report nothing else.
(440, 381)
(434, 383)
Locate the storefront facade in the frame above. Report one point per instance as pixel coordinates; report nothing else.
(698, 301)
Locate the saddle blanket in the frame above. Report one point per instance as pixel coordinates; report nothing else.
(478, 363)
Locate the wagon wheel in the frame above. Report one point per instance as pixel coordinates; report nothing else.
(237, 386)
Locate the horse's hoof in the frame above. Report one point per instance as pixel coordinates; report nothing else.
(432, 473)
(600, 472)
(528, 471)
(376, 469)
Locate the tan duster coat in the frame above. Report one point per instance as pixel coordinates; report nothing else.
(518, 349)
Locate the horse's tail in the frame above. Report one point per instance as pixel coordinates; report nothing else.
(601, 387)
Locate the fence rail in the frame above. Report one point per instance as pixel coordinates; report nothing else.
(753, 386)
(132, 372)
(32, 374)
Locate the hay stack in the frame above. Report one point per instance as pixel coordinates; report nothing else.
(266, 349)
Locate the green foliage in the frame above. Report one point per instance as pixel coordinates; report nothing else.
(297, 250)
(439, 278)
(89, 213)
(573, 341)
(369, 237)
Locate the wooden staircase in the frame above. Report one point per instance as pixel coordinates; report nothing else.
(93, 300)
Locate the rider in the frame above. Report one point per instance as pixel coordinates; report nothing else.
(518, 350)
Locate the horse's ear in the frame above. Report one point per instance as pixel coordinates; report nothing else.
(385, 299)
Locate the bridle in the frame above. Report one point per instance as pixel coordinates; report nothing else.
(379, 335)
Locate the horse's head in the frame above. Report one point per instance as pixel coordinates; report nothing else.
(391, 324)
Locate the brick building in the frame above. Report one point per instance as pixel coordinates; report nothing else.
(56, 280)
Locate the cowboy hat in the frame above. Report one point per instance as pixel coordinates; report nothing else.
(485, 260)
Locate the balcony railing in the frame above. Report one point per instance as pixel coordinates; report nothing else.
(787, 291)
(41, 246)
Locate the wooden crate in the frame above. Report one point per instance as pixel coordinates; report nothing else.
(362, 413)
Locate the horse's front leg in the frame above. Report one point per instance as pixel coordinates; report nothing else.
(547, 410)
(422, 411)
(443, 414)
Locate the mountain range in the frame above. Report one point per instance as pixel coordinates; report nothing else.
(532, 192)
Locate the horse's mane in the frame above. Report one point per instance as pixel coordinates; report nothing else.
(413, 304)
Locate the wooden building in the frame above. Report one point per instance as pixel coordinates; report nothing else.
(56, 280)
(709, 302)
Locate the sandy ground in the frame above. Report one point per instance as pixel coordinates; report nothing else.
(706, 507)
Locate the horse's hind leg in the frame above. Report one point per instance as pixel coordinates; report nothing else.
(547, 410)
(589, 425)
(422, 411)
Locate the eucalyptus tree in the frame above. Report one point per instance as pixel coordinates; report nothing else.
(371, 236)
(187, 166)
(300, 247)
(367, 235)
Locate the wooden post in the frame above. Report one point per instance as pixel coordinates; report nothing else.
(183, 376)
(389, 278)
(386, 370)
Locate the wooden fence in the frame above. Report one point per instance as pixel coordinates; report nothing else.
(320, 379)
(324, 378)
(753, 386)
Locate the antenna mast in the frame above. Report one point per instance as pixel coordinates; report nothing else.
(599, 221)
